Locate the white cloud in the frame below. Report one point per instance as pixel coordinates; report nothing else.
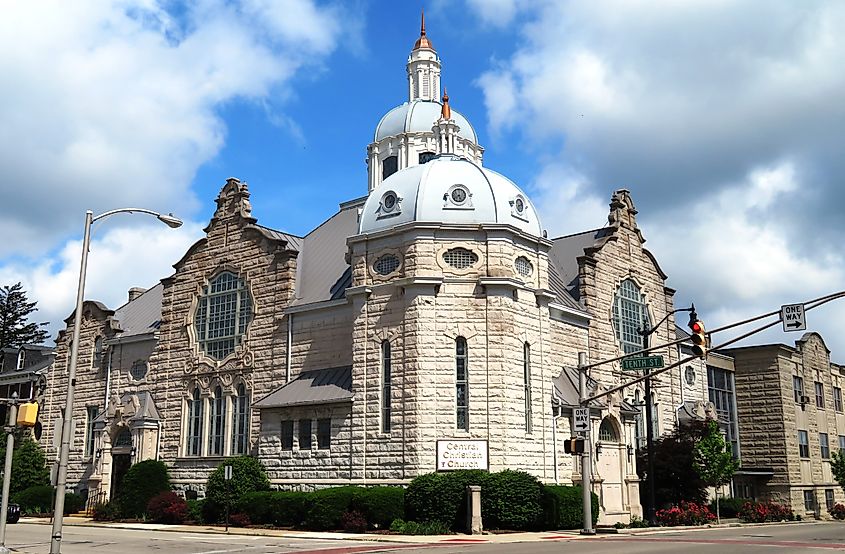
(725, 121)
(115, 103)
(497, 13)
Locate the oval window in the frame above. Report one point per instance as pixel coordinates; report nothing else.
(386, 264)
(460, 258)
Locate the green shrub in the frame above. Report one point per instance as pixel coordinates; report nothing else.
(105, 512)
(29, 468)
(195, 510)
(511, 500)
(142, 482)
(168, 507)
(442, 497)
(248, 475)
(35, 500)
(728, 507)
(563, 507)
(380, 505)
(324, 508)
(414, 528)
(73, 503)
(278, 508)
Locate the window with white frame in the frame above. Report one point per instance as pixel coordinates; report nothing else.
(607, 432)
(386, 379)
(526, 382)
(720, 388)
(240, 421)
(461, 385)
(630, 314)
(217, 413)
(194, 447)
(223, 313)
(803, 444)
(797, 388)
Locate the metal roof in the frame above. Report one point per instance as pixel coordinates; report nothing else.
(419, 116)
(565, 253)
(141, 315)
(294, 242)
(321, 386)
(322, 255)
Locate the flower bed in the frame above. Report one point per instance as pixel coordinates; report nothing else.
(686, 513)
(759, 512)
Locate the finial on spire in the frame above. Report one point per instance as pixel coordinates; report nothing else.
(445, 111)
(423, 41)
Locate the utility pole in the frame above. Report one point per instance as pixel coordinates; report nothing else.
(7, 471)
(586, 456)
(649, 432)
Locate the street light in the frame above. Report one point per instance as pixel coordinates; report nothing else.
(61, 473)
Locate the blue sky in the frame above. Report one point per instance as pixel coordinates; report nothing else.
(723, 118)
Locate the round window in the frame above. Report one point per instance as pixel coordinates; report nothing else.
(519, 205)
(388, 201)
(459, 195)
(138, 370)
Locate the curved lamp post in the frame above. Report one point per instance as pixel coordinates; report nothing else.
(61, 473)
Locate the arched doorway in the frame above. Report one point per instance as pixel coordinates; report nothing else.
(609, 452)
(121, 453)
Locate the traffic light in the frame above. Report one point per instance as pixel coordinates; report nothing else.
(27, 414)
(699, 339)
(574, 445)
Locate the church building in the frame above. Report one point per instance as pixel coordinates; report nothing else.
(429, 325)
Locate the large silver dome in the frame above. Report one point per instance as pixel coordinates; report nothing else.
(419, 117)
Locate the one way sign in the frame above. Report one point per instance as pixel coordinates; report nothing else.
(792, 317)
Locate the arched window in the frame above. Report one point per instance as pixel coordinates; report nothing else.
(123, 439)
(195, 424)
(629, 315)
(386, 379)
(389, 166)
(240, 421)
(461, 384)
(97, 358)
(526, 375)
(607, 432)
(223, 312)
(218, 416)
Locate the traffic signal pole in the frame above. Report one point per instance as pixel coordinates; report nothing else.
(7, 471)
(649, 438)
(586, 457)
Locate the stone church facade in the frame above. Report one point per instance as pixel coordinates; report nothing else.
(433, 311)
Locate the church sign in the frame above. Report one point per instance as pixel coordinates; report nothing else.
(462, 454)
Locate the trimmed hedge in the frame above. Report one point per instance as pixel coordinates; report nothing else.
(142, 482)
(277, 508)
(325, 508)
(563, 507)
(510, 500)
(441, 497)
(40, 499)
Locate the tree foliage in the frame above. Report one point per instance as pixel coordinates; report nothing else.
(29, 467)
(713, 461)
(837, 467)
(675, 476)
(15, 309)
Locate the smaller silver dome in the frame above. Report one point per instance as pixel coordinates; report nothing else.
(448, 189)
(419, 117)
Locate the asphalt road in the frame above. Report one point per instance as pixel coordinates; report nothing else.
(791, 539)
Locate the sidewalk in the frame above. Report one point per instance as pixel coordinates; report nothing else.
(491, 538)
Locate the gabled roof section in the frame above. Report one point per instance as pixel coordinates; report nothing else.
(322, 256)
(566, 388)
(141, 315)
(321, 386)
(564, 255)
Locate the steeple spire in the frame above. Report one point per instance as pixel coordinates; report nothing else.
(423, 41)
(423, 69)
(445, 111)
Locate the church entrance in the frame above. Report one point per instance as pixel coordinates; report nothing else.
(120, 465)
(609, 468)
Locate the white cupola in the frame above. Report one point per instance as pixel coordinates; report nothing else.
(421, 128)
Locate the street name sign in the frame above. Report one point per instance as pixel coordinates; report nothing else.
(648, 362)
(792, 317)
(580, 419)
